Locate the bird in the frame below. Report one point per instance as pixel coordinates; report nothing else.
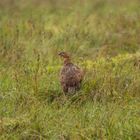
(71, 75)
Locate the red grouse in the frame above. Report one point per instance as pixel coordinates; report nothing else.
(71, 75)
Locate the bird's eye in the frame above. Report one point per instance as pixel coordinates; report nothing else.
(63, 54)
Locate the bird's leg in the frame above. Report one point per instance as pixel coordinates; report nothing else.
(65, 89)
(71, 90)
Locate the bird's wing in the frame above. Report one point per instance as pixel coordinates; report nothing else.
(71, 74)
(78, 73)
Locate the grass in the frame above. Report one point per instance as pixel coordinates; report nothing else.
(103, 39)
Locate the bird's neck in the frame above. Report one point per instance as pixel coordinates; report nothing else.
(67, 61)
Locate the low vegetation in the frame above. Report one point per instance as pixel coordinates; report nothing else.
(103, 38)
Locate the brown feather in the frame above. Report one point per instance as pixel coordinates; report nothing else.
(71, 76)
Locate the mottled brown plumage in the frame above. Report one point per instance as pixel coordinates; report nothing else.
(71, 75)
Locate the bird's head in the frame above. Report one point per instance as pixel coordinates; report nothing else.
(64, 55)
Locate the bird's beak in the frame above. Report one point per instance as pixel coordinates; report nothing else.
(59, 53)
